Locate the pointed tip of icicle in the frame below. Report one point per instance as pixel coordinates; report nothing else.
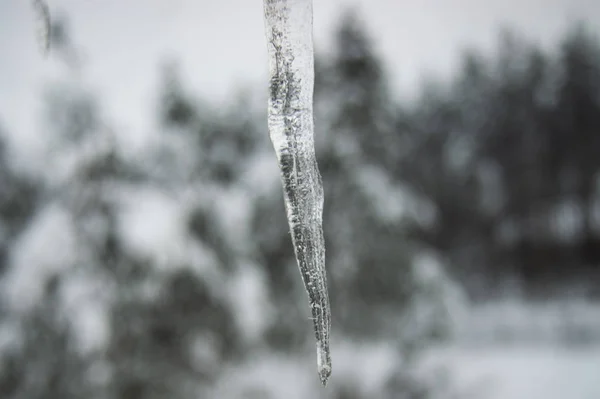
(324, 374)
(323, 363)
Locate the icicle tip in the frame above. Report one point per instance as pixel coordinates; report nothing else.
(323, 364)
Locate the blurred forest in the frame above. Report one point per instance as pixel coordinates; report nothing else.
(168, 271)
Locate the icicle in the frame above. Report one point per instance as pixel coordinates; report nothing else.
(291, 63)
(42, 14)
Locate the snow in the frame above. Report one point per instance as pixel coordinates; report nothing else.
(364, 367)
(389, 201)
(45, 249)
(491, 372)
(153, 225)
(85, 300)
(367, 366)
(393, 201)
(249, 299)
(261, 174)
(444, 303)
(522, 372)
(515, 350)
(234, 206)
(269, 377)
(553, 322)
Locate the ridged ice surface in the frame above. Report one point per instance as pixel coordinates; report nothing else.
(291, 128)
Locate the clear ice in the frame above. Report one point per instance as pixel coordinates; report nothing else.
(291, 128)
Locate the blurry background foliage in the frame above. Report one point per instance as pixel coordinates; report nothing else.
(172, 273)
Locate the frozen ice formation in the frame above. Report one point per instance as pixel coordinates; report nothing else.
(291, 128)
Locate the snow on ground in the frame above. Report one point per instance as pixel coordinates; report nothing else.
(515, 350)
(363, 367)
(489, 372)
(521, 372)
(553, 322)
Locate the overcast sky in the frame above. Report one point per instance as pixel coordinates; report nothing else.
(221, 45)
